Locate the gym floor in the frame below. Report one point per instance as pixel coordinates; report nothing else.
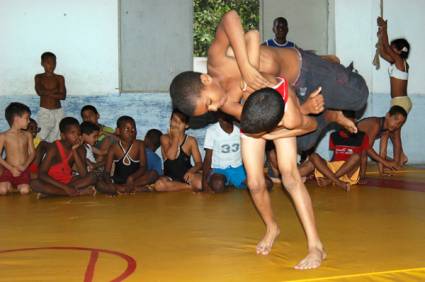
(372, 233)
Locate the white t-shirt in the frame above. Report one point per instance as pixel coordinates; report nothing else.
(226, 147)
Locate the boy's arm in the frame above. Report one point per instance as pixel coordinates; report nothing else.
(230, 32)
(142, 161)
(79, 155)
(108, 164)
(31, 150)
(5, 164)
(374, 155)
(383, 144)
(363, 167)
(206, 169)
(196, 155)
(169, 146)
(60, 93)
(397, 145)
(384, 47)
(309, 124)
(46, 163)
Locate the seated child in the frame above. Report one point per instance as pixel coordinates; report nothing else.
(223, 162)
(344, 168)
(55, 174)
(152, 143)
(89, 134)
(19, 150)
(40, 148)
(51, 89)
(106, 136)
(381, 127)
(177, 148)
(128, 155)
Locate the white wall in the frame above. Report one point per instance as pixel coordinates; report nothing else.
(355, 38)
(82, 34)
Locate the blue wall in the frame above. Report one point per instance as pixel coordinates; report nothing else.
(153, 111)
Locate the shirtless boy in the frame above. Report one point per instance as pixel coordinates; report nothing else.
(51, 89)
(19, 150)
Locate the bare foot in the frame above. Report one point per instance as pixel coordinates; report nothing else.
(343, 185)
(403, 159)
(265, 245)
(88, 191)
(313, 259)
(346, 123)
(322, 182)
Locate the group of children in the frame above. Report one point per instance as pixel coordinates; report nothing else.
(280, 94)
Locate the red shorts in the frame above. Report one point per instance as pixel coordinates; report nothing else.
(7, 176)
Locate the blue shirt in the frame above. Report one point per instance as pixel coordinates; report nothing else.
(272, 43)
(153, 161)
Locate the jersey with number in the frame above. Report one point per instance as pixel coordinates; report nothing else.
(225, 147)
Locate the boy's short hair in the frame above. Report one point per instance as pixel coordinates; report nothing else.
(262, 111)
(123, 119)
(88, 127)
(280, 19)
(88, 108)
(15, 109)
(154, 136)
(183, 117)
(67, 122)
(394, 110)
(33, 121)
(185, 90)
(46, 55)
(403, 46)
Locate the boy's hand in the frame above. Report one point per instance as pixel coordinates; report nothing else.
(362, 181)
(15, 172)
(78, 144)
(381, 22)
(391, 165)
(130, 183)
(72, 191)
(188, 177)
(315, 103)
(254, 79)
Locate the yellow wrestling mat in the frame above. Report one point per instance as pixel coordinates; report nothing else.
(373, 233)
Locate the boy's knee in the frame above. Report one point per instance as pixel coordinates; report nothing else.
(355, 157)
(217, 183)
(256, 185)
(24, 189)
(3, 190)
(314, 157)
(289, 179)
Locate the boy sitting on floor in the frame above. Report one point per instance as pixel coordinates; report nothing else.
(177, 148)
(19, 149)
(90, 134)
(152, 143)
(381, 127)
(344, 168)
(55, 175)
(106, 136)
(223, 162)
(128, 155)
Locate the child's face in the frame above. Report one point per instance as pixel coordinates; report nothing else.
(49, 64)
(90, 138)
(395, 121)
(213, 96)
(33, 128)
(178, 123)
(21, 122)
(90, 116)
(72, 135)
(280, 29)
(127, 132)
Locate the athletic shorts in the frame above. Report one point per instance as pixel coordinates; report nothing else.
(7, 176)
(334, 167)
(235, 176)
